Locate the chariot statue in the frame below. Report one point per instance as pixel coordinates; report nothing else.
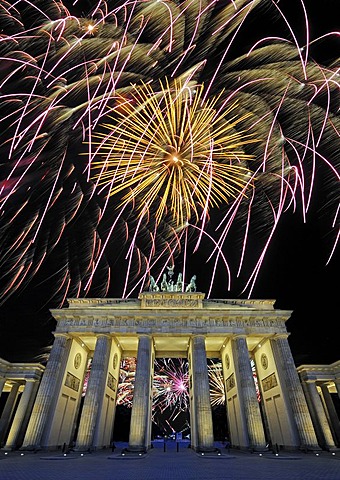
(168, 284)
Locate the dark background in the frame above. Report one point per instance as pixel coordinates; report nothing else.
(294, 272)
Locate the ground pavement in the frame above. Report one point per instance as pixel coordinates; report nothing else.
(169, 461)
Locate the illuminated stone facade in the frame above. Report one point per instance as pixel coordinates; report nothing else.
(320, 383)
(20, 381)
(172, 324)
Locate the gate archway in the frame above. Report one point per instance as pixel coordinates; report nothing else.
(172, 324)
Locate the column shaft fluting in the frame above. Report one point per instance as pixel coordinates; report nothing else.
(46, 394)
(2, 384)
(20, 414)
(321, 425)
(141, 406)
(247, 394)
(291, 385)
(337, 386)
(201, 392)
(331, 411)
(94, 393)
(8, 410)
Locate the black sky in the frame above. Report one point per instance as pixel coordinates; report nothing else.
(294, 272)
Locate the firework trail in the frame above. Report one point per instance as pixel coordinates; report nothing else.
(126, 382)
(134, 133)
(171, 385)
(217, 391)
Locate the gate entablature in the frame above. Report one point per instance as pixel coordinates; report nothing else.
(171, 318)
(162, 313)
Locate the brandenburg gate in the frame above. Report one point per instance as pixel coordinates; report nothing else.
(171, 324)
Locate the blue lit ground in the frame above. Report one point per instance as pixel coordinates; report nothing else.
(170, 464)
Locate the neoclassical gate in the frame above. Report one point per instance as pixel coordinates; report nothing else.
(171, 324)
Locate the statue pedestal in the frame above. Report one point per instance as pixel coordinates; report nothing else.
(171, 300)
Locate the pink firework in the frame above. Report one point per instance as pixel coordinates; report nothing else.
(68, 78)
(171, 385)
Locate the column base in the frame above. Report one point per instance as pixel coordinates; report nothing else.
(210, 450)
(31, 448)
(8, 448)
(310, 449)
(125, 453)
(132, 452)
(84, 449)
(135, 449)
(259, 449)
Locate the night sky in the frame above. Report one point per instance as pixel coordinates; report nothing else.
(294, 272)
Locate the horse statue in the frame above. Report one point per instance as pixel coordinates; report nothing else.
(191, 287)
(153, 287)
(164, 284)
(179, 284)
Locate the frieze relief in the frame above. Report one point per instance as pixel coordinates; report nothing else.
(230, 382)
(129, 323)
(111, 382)
(171, 303)
(101, 302)
(71, 381)
(254, 303)
(269, 382)
(170, 300)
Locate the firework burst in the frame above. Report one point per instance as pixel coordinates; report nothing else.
(171, 148)
(180, 172)
(171, 385)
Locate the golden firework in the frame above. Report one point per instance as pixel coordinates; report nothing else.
(172, 151)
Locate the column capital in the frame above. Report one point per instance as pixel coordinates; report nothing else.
(61, 335)
(309, 380)
(280, 336)
(235, 336)
(105, 335)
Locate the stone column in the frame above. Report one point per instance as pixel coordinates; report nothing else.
(292, 388)
(201, 393)
(2, 384)
(20, 414)
(330, 409)
(46, 394)
(8, 410)
(337, 386)
(79, 403)
(320, 421)
(249, 404)
(141, 405)
(95, 392)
